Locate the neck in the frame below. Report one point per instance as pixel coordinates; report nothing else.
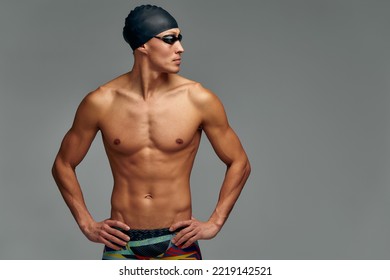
(148, 83)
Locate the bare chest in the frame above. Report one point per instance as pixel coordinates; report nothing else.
(164, 126)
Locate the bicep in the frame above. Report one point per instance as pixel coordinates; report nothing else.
(79, 138)
(222, 137)
(74, 146)
(225, 143)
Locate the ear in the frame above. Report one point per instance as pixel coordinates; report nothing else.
(143, 49)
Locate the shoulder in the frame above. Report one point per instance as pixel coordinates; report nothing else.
(96, 103)
(208, 105)
(203, 98)
(95, 100)
(103, 96)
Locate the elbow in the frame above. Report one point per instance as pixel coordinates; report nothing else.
(242, 166)
(59, 168)
(54, 169)
(247, 168)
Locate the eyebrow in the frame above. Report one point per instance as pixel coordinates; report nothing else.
(169, 34)
(172, 33)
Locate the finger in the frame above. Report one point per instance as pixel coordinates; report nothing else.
(180, 234)
(113, 227)
(111, 245)
(189, 242)
(113, 238)
(185, 238)
(118, 233)
(117, 224)
(102, 239)
(180, 224)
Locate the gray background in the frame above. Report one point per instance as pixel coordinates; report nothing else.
(305, 85)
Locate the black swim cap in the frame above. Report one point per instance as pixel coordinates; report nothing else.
(145, 22)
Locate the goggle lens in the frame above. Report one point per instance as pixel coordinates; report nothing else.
(170, 39)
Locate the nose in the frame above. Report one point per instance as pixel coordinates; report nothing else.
(179, 47)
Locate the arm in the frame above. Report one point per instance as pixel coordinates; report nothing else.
(73, 149)
(229, 149)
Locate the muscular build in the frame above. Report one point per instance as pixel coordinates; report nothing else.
(151, 121)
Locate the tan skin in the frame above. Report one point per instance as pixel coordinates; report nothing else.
(151, 121)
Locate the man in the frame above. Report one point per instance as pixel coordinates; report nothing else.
(151, 121)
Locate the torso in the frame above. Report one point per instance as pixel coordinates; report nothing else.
(151, 146)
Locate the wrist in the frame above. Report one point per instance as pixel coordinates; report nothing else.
(217, 221)
(85, 225)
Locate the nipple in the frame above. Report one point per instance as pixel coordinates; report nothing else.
(117, 141)
(179, 141)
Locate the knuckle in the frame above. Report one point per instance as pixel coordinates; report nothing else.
(106, 227)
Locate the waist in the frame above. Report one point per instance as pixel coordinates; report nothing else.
(142, 234)
(151, 216)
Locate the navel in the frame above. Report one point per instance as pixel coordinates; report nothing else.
(117, 141)
(179, 141)
(148, 196)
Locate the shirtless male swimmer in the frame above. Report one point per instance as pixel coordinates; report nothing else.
(151, 121)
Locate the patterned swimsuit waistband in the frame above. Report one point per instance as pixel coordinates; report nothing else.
(141, 234)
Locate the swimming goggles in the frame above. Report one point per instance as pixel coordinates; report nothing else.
(170, 39)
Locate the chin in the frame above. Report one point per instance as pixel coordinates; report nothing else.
(172, 71)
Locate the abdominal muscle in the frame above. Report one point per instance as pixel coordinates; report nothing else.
(151, 174)
(151, 194)
(151, 207)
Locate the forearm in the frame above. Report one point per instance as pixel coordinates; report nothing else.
(236, 175)
(66, 180)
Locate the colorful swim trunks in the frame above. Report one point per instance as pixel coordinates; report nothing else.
(152, 244)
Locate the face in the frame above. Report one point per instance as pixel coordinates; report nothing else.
(165, 56)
